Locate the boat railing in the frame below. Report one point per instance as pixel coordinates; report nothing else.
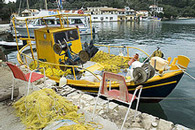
(32, 62)
(61, 19)
(127, 49)
(52, 70)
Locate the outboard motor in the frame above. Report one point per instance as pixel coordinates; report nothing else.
(143, 73)
(88, 52)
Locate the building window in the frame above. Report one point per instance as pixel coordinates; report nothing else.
(106, 17)
(111, 18)
(95, 17)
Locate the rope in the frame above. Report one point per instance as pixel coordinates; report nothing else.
(169, 98)
(189, 75)
(185, 72)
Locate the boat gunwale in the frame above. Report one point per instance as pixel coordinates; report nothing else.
(96, 84)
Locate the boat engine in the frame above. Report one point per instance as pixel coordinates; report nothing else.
(143, 73)
(88, 52)
(59, 47)
(84, 55)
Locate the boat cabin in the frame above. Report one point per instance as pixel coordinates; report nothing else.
(52, 43)
(76, 21)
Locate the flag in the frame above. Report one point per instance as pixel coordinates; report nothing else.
(59, 2)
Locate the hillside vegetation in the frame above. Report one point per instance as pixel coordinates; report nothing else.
(174, 8)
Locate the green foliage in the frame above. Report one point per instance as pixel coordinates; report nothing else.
(189, 11)
(172, 8)
(6, 10)
(170, 11)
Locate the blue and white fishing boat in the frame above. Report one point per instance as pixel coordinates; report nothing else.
(81, 22)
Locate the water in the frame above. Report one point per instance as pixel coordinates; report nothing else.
(174, 38)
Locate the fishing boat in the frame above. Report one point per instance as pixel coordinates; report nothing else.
(60, 51)
(151, 18)
(10, 45)
(73, 21)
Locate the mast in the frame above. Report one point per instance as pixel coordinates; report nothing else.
(46, 4)
(19, 7)
(154, 13)
(27, 4)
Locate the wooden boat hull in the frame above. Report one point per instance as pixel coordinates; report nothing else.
(153, 92)
(155, 89)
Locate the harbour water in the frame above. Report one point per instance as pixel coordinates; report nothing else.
(174, 38)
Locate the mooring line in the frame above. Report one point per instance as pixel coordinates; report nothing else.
(169, 98)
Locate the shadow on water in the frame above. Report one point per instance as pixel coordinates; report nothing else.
(154, 109)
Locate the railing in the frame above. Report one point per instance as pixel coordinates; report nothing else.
(126, 47)
(55, 68)
(60, 16)
(27, 60)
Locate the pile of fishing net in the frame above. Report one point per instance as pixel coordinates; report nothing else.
(111, 63)
(49, 71)
(43, 107)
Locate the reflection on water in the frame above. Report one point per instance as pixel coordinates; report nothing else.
(174, 38)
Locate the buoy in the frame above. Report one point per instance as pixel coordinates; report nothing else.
(63, 81)
(135, 58)
(136, 64)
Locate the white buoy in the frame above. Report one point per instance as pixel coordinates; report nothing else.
(63, 81)
(136, 64)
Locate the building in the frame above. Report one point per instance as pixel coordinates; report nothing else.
(101, 14)
(130, 14)
(104, 18)
(143, 13)
(108, 11)
(94, 10)
(155, 9)
(121, 15)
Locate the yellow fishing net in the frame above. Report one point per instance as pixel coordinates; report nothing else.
(76, 127)
(49, 71)
(111, 63)
(42, 107)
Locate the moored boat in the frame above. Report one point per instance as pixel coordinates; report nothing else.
(74, 20)
(60, 51)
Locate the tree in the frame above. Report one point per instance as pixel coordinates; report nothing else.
(170, 11)
(7, 10)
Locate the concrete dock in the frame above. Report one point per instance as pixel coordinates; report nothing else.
(110, 118)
